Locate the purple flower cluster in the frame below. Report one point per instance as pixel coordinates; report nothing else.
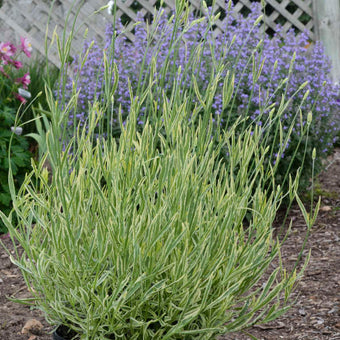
(251, 97)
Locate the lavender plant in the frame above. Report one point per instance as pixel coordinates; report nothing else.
(243, 48)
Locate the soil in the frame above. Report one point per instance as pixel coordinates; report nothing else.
(315, 314)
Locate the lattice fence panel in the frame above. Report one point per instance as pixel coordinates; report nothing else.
(29, 18)
(290, 14)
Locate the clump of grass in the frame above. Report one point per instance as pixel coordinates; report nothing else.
(145, 237)
(40, 74)
(154, 235)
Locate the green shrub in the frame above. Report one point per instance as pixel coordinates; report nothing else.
(146, 236)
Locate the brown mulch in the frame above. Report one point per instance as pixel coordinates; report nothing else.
(314, 316)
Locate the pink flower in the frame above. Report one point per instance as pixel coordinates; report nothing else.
(21, 98)
(7, 49)
(26, 46)
(25, 80)
(17, 64)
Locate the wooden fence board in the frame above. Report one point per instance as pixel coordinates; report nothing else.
(327, 17)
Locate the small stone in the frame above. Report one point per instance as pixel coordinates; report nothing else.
(32, 326)
(326, 208)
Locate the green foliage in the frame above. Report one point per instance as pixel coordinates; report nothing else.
(13, 96)
(9, 106)
(152, 235)
(39, 74)
(144, 238)
(20, 158)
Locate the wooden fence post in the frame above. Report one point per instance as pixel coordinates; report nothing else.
(327, 29)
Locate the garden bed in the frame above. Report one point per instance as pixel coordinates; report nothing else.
(316, 314)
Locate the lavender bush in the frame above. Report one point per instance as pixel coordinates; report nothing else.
(263, 69)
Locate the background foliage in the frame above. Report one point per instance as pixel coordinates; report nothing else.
(244, 47)
(22, 147)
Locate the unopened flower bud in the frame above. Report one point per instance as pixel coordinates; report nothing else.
(314, 154)
(258, 20)
(309, 117)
